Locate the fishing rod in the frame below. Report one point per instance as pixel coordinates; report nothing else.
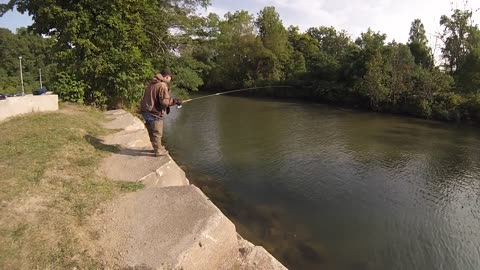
(233, 91)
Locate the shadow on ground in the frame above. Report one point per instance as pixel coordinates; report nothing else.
(99, 144)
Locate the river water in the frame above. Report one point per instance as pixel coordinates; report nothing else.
(324, 188)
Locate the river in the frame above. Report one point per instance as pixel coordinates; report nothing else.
(324, 188)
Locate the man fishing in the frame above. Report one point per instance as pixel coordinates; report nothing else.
(155, 105)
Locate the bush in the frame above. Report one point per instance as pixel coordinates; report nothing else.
(471, 108)
(69, 88)
(417, 107)
(448, 106)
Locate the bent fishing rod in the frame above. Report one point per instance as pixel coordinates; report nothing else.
(232, 91)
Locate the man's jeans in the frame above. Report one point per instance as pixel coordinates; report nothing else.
(149, 118)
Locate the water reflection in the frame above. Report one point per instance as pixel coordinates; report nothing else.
(265, 225)
(320, 187)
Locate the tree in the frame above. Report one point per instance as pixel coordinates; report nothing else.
(334, 47)
(368, 45)
(233, 50)
(333, 42)
(175, 31)
(274, 37)
(469, 73)
(34, 52)
(107, 44)
(460, 37)
(374, 85)
(418, 45)
(96, 42)
(427, 84)
(306, 45)
(400, 67)
(296, 66)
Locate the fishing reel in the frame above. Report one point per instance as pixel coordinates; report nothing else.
(185, 101)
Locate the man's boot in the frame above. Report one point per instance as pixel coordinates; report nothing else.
(150, 129)
(156, 139)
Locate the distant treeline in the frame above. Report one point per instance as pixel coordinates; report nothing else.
(34, 51)
(103, 54)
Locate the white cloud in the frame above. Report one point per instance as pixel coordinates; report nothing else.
(392, 17)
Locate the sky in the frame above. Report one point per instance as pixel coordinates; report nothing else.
(392, 17)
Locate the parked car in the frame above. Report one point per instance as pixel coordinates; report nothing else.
(39, 91)
(3, 97)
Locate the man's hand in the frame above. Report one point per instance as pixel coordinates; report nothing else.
(177, 101)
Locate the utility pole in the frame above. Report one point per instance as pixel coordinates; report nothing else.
(21, 75)
(40, 71)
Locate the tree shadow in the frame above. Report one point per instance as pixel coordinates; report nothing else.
(116, 149)
(100, 145)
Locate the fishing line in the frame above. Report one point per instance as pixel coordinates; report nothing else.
(232, 91)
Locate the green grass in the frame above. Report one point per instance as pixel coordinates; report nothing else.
(50, 186)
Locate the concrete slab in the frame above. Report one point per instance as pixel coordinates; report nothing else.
(168, 228)
(169, 174)
(140, 165)
(253, 257)
(129, 139)
(125, 121)
(115, 112)
(13, 106)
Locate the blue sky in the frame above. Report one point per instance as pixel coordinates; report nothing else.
(392, 17)
(13, 20)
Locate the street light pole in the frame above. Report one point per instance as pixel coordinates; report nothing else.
(40, 71)
(21, 75)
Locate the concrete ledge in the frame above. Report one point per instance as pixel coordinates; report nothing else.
(129, 139)
(169, 174)
(168, 228)
(13, 106)
(126, 121)
(135, 162)
(255, 257)
(169, 224)
(140, 165)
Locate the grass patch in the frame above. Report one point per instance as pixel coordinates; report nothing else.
(50, 185)
(131, 187)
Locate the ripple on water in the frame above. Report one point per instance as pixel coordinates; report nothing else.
(322, 188)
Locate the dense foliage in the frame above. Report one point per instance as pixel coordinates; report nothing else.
(103, 53)
(35, 55)
(107, 50)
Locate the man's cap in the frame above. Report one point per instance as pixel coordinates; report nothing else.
(166, 72)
